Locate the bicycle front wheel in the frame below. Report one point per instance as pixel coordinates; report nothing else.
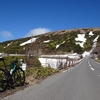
(3, 80)
(18, 77)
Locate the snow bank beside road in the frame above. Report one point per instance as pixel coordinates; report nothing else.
(55, 61)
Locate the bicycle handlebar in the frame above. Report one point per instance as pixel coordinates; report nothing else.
(14, 62)
(11, 64)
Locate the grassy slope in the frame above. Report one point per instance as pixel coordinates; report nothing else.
(65, 38)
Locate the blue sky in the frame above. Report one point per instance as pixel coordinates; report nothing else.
(22, 18)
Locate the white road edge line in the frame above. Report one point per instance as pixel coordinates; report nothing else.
(64, 71)
(67, 69)
(72, 67)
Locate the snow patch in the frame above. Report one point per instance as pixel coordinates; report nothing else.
(57, 46)
(86, 54)
(55, 61)
(93, 47)
(94, 44)
(8, 45)
(91, 33)
(95, 40)
(47, 41)
(52, 62)
(29, 41)
(81, 39)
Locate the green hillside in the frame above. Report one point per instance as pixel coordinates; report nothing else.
(47, 43)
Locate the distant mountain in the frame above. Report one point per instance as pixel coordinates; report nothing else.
(58, 42)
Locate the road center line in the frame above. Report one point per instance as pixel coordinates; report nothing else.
(89, 63)
(92, 68)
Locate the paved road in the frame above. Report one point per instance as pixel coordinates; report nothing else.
(79, 83)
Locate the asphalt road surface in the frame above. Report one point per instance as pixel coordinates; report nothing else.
(81, 82)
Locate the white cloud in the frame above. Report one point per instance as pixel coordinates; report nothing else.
(37, 31)
(6, 34)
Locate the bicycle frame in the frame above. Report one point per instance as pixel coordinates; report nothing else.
(8, 73)
(13, 77)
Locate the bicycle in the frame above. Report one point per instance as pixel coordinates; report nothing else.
(11, 78)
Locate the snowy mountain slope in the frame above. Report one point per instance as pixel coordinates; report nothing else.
(58, 42)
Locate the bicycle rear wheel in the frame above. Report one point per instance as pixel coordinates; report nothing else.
(18, 77)
(3, 80)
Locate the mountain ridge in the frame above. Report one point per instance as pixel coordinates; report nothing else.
(47, 43)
